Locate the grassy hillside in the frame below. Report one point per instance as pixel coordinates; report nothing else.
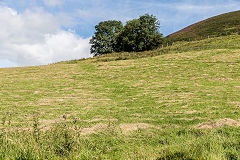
(224, 24)
(183, 104)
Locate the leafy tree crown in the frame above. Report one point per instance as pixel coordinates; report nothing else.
(137, 35)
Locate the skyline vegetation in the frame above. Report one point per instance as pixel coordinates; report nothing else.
(137, 35)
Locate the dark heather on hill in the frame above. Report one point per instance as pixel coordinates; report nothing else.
(220, 25)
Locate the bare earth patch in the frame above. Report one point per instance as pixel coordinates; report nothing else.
(219, 123)
(134, 126)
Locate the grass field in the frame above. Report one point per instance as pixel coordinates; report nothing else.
(183, 104)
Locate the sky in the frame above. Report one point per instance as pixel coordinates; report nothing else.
(40, 32)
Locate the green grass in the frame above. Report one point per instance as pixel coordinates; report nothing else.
(183, 104)
(226, 42)
(224, 24)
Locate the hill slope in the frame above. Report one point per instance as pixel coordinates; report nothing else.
(224, 24)
(173, 106)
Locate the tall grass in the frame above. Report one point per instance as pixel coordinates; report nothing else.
(62, 141)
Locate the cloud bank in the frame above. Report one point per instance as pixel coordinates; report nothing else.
(29, 35)
(53, 3)
(35, 37)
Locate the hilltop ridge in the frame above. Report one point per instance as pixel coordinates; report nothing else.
(221, 25)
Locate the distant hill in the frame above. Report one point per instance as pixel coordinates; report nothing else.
(224, 24)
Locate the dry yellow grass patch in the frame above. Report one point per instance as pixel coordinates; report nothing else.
(189, 119)
(191, 112)
(219, 123)
(94, 129)
(97, 120)
(134, 126)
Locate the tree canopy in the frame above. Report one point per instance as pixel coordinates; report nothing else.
(137, 35)
(102, 41)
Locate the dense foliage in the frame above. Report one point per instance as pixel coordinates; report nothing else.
(137, 35)
(102, 41)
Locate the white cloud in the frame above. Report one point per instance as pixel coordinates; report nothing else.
(35, 38)
(53, 3)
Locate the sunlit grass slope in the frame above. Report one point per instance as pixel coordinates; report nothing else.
(220, 25)
(183, 104)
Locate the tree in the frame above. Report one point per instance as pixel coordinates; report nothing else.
(102, 41)
(139, 35)
(126, 39)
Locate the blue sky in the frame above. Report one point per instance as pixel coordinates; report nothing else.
(36, 32)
